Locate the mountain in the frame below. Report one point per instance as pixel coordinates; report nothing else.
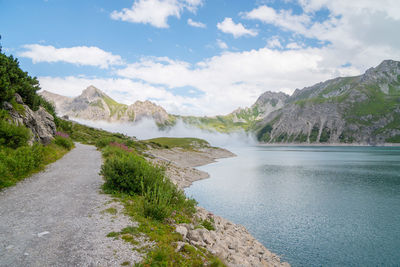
(93, 104)
(363, 109)
(241, 118)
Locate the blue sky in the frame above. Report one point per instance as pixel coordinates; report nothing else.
(196, 56)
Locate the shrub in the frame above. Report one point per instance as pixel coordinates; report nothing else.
(208, 224)
(126, 173)
(65, 135)
(67, 143)
(23, 159)
(158, 201)
(4, 174)
(105, 141)
(129, 173)
(12, 135)
(15, 80)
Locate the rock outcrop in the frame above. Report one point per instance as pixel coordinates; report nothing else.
(230, 242)
(93, 104)
(40, 122)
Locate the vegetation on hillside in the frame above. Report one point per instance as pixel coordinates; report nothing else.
(244, 119)
(19, 159)
(171, 142)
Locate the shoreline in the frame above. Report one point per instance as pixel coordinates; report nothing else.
(231, 242)
(329, 145)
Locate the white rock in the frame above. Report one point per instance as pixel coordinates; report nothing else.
(182, 230)
(43, 233)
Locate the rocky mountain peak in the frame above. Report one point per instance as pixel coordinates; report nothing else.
(94, 104)
(386, 72)
(271, 97)
(91, 93)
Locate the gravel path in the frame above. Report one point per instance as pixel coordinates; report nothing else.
(57, 218)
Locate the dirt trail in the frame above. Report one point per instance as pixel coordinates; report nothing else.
(57, 218)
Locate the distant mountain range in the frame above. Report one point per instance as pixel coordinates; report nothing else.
(93, 104)
(362, 109)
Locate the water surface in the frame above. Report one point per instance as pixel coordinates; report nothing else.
(316, 206)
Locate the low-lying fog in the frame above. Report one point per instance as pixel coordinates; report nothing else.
(147, 129)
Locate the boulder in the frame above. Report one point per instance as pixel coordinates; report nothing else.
(40, 122)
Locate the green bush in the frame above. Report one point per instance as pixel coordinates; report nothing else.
(105, 141)
(67, 143)
(208, 224)
(22, 160)
(4, 174)
(12, 135)
(15, 80)
(157, 202)
(129, 173)
(126, 172)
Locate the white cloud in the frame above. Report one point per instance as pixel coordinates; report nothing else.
(283, 18)
(79, 55)
(236, 79)
(155, 12)
(293, 45)
(274, 42)
(237, 30)
(196, 24)
(362, 33)
(221, 44)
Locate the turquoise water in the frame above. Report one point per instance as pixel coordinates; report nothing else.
(316, 206)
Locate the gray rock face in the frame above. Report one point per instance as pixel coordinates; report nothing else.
(40, 122)
(93, 104)
(363, 109)
(231, 242)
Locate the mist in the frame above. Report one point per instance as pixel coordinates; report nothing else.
(147, 129)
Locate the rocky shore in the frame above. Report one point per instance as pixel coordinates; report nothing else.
(232, 243)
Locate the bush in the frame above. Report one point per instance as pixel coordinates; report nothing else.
(12, 135)
(4, 174)
(15, 80)
(129, 173)
(105, 141)
(126, 172)
(65, 142)
(157, 203)
(208, 224)
(22, 160)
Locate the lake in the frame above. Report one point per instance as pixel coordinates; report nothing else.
(316, 206)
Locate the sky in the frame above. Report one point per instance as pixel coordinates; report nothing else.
(196, 57)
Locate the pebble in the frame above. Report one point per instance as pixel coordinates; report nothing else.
(43, 233)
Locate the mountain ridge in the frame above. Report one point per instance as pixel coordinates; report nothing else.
(363, 109)
(94, 104)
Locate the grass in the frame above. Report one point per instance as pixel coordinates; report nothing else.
(17, 164)
(111, 211)
(163, 253)
(185, 143)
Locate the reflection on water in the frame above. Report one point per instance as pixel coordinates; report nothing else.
(317, 206)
